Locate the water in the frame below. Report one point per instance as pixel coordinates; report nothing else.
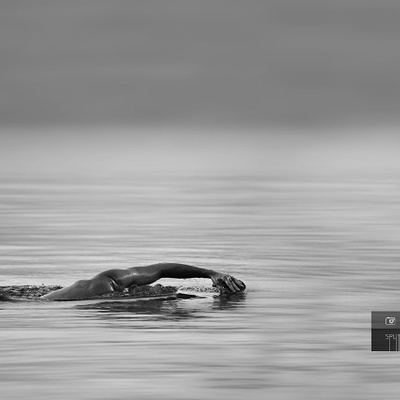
(317, 254)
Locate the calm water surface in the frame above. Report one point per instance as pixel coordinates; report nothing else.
(318, 255)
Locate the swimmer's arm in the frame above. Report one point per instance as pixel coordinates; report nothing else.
(152, 273)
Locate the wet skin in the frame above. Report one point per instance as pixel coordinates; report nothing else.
(116, 280)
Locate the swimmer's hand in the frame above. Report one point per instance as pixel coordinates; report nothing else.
(226, 283)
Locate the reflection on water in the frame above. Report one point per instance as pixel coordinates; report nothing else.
(317, 257)
(171, 307)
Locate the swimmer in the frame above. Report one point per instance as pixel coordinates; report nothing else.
(116, 280)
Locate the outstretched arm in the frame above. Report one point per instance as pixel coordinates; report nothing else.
(151, 273)
(119, 279)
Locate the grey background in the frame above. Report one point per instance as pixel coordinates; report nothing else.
(211, 62)
(283, 86)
